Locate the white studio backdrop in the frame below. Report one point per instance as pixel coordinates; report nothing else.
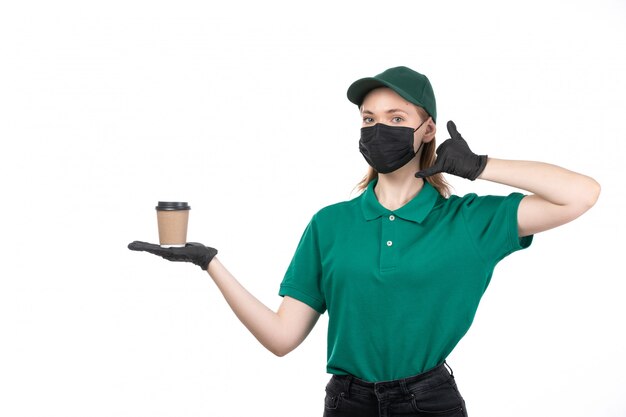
(239, 108)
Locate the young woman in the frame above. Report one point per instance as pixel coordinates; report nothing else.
(402, 267)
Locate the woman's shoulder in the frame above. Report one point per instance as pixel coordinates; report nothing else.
(334, 211)
(471, 201)
(455, 199)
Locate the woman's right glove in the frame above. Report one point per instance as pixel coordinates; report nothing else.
(193, 252)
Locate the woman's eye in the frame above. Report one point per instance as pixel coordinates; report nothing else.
(397, 119)
(367, 120)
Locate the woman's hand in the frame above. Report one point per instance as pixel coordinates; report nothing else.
(455, 157)
(193, 252)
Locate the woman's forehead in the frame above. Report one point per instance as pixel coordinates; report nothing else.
(385, 99)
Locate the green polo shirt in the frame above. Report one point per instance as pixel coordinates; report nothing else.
(401, 286)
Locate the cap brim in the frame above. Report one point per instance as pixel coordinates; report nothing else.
(359, 89)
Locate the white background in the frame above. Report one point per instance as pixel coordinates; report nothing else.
(239, 108)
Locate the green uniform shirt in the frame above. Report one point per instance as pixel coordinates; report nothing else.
(401, 287)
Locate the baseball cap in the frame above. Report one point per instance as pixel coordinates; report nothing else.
(409, 84)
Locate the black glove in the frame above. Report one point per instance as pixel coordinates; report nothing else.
(455, 157)
(193, 252)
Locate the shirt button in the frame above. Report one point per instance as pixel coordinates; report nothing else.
(392, 217)
(389, 243)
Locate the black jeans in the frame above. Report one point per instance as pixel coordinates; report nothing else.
(432, 393)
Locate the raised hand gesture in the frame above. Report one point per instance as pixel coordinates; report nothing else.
(455, 157)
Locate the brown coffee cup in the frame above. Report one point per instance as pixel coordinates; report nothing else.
(172, 219)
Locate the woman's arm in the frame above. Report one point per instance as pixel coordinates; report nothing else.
(559, 195)
(280, 332)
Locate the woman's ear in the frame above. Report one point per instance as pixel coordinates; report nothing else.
(431, 130)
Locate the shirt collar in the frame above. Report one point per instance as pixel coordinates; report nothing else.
(415, 210)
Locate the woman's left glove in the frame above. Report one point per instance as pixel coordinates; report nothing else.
(193, 252)
(455, 157)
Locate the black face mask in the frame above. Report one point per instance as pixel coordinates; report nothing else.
(387, 148)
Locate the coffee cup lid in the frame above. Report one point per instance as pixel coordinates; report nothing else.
(172, 205)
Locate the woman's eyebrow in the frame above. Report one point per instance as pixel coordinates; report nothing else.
(388, 111)
(396, 111)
